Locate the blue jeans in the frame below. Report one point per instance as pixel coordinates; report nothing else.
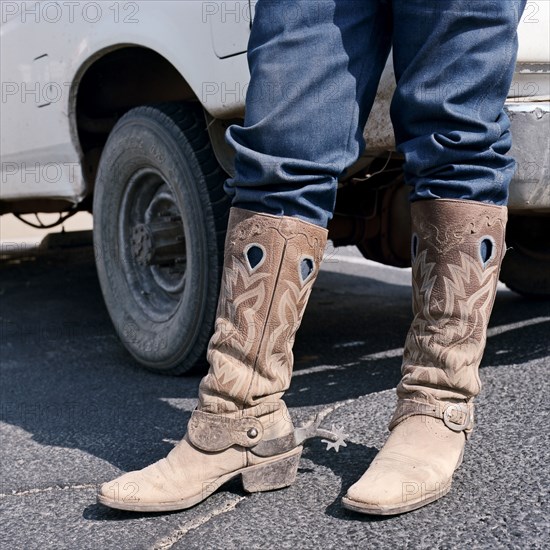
(315, 67)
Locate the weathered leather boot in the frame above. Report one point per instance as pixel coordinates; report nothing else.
(241, 426)
(457, 249)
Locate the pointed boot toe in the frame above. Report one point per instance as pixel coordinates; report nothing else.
(414, 468)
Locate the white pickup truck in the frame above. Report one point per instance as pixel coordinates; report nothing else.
(120, 108)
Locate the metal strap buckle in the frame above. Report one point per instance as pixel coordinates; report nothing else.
(458, 417)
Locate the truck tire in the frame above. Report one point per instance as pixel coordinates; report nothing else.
(526, 266)
(160, 216)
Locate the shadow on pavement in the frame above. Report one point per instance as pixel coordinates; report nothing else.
(67, 380)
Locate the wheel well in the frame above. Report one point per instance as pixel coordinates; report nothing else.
(112, 85)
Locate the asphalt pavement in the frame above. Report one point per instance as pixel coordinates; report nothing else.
(76, 411)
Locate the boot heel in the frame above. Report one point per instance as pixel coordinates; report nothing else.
(274, 475)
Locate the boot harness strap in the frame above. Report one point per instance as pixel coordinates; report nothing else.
(214, 433)
(458, 417)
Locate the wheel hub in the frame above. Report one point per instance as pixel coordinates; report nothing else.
(159, 243)
(154, 247)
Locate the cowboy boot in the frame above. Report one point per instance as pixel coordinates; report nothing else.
(457, 250)
(241, 426)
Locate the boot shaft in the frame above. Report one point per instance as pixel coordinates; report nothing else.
(270, 265)
(457, 250)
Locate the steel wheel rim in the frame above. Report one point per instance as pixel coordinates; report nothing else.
(157, 285)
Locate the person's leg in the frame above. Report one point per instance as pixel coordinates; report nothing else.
(315, 67)
(303, 128)
(454, 62)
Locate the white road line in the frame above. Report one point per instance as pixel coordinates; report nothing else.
(48, 489)
(494, 331)
(337, 258)
(388, 354)
(349, 344)
(322, 368)
(170, 540)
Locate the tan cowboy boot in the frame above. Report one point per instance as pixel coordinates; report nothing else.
(457, 249)
(241, 426)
